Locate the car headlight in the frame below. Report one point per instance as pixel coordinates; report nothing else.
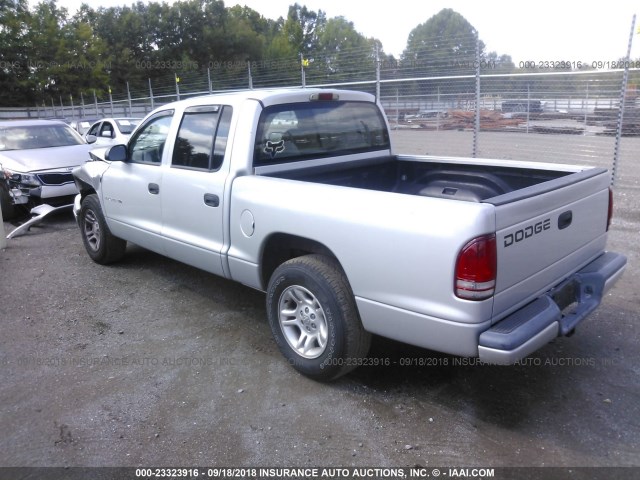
(22, 179)
(29, 180)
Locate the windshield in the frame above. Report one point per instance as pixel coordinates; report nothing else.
(300, 131)
(25, 137)
(127, 125)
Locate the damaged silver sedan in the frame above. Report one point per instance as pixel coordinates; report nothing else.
(36, 159)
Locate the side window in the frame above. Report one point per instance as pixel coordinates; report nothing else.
(222, 135)
(195, 145)
(106, 130)
(148, 143)
(94, 130)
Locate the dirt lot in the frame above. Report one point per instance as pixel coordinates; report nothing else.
(153, 363)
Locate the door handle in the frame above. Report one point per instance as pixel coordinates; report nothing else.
(154, 188)
(211, 200)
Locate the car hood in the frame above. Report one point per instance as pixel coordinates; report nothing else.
(39, 159)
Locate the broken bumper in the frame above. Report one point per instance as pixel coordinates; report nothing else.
(77, 204)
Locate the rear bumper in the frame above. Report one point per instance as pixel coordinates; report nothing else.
(558, 312)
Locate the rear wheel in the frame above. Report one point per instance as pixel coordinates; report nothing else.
(314, 319)
(101, 245)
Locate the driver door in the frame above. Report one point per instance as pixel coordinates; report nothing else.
(131, 189)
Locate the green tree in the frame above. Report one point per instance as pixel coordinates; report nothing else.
(301, 28)
(443, 45)
(49, 50)
(345, 52)
(445, 42)
(16, 86)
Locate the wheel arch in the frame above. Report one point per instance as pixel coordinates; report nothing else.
(280, 247)
(84, 187)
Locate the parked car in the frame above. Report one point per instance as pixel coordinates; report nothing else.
(111, 131)
(36, 159)
(82, 126)
(471, 257)
(425, 115)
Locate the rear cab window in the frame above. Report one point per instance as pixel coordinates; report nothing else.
(302, 131)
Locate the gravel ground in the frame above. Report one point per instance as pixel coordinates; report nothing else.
(153, 363)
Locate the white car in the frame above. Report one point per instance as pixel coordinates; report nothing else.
(36, 159)
(111, 131)
(83, 125)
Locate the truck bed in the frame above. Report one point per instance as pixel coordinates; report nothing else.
(429, 177)
(523, 195)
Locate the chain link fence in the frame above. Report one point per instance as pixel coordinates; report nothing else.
(458, 102)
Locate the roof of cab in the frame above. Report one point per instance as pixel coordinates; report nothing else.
(268, 97)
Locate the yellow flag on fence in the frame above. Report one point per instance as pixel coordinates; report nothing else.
(305, 62)
(177, 79)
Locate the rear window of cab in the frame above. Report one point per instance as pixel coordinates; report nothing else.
(302, 131)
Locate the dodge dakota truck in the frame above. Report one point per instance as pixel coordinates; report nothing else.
(298, 193)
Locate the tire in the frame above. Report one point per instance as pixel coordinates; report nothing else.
(101, 245)
(9, 210)
(314, 319)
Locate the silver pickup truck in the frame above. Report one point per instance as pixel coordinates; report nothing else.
(298, 193)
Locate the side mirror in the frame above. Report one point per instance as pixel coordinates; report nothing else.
(117, 153)
(92, 139)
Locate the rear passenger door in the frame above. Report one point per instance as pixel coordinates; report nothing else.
(193, 188)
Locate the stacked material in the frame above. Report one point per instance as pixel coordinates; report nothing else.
(489, 120)
(609, 119)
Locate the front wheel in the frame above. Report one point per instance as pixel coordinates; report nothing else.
(314, 319)
(101, 245)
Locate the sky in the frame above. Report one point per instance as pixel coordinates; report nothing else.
(542, 30)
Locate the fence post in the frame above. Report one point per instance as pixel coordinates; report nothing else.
(81, 105)
(302, 72)
(623, 91)
(177, 86)
(95, 101)
(377, 73)
(528, 105)
(397, 109)
(439, 108)
(151, 95)
(209, 80)
(586, 108)
(250, 77)
(129, 98)
(476, 127)
(111, 100)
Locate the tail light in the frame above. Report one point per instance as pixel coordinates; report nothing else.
(610, 211)
(476, 269)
